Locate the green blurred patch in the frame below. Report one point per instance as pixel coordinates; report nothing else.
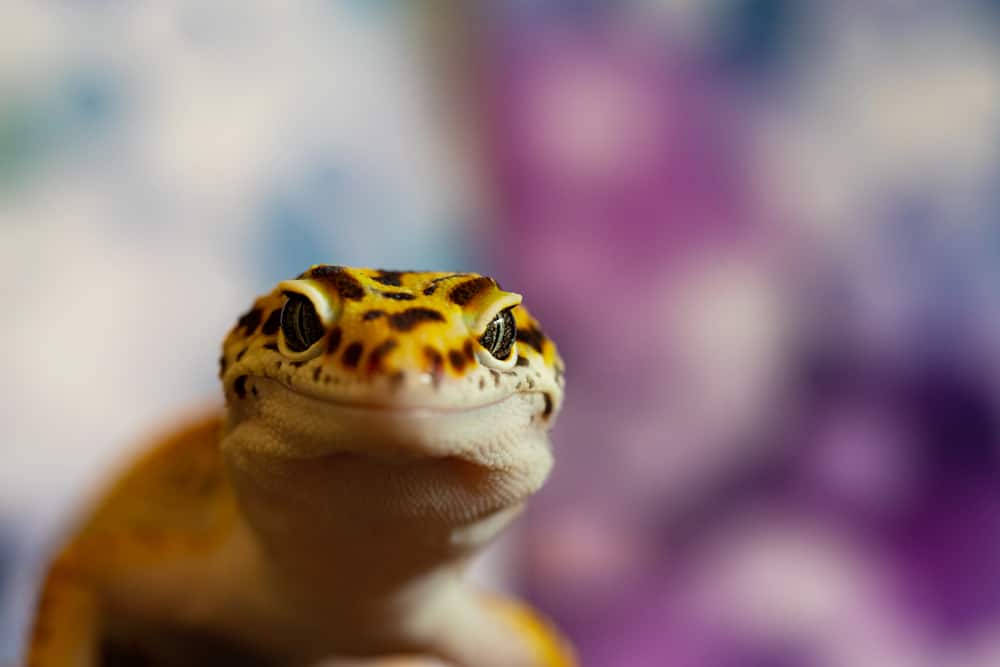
(22, 140)
(38, 126)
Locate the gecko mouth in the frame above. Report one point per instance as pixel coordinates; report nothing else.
(302, 426)
(406, 410)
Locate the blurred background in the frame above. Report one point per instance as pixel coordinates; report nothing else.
(765, 235)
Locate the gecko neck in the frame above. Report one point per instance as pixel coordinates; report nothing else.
(340, 535)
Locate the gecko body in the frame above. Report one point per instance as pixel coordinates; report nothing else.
(380, 428)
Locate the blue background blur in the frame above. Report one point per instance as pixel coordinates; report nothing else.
(765, 234)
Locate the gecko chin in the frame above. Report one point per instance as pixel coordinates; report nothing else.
(488, 457)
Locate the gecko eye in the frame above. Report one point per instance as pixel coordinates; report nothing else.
(498, 339)
(300, 323)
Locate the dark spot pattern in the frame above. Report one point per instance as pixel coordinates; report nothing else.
(316, 373)
(333, 342)
(376, 356)
(470, 352)
(406, 320)
(457, 360)
(249, 321)
(373, 314)
(532, 336)
(432, 286)
(271, 346)
(273, 323)
(352, 355)
(436, 363)
(465, 292)
(496, 377)
(239, 355)
(522, 361)
(434, 358)
(390, 278)
(240, 386)
(398, 296)
(346, 285)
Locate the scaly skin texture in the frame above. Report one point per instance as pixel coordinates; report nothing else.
(377, 434)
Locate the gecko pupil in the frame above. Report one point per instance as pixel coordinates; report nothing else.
(499, 336)
(300, 323)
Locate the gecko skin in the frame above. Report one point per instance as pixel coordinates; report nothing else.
(381, 427)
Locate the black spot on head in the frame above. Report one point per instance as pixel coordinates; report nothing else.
(548, 406)
(432, 286)
(372, 315)
(411, 317)
(457, 360)
(249, 321)
(239, 355)
(273, 322)
(465, 292)
(469, 351)
(253, 390)
(295, 364)
(346, 285)
(391, 278)
(376, 356)
(398, 296)
(316, 373)
(435, 363)
(333, 342)
(240, 386)
(271, 346)
(496, 377)
(522, 361)
(532, 336)
(352, 354)
(434, 358)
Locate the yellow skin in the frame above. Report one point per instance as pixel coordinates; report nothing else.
(370, 446)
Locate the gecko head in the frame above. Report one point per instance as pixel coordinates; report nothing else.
(409, 379)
